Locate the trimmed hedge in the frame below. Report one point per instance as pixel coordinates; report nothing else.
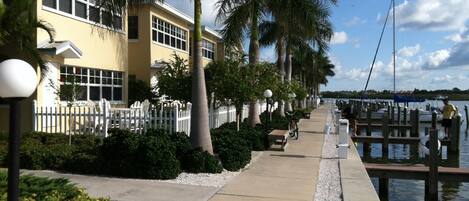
(39, 188)
(198, 161)
(233, 150)
(156, 156)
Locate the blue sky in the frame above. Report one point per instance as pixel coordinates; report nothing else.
(432, 42)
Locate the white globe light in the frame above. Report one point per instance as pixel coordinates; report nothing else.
(17, 79)
(268, 93)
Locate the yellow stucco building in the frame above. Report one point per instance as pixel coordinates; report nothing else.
(103, 53)
(87, 44)
(156, 32)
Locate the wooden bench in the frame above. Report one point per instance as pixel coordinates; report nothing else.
(279, 137)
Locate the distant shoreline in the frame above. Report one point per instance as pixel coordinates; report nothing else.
(428, 95)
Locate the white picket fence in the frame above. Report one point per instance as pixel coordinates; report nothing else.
(89, 120)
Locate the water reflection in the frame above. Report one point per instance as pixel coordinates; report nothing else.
(413, 190)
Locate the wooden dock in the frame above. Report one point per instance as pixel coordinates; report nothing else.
(416, 172)
(394, 140)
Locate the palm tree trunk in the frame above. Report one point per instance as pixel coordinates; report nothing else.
(288, 71)
(200, 131)
(253, 60)
(281, 69)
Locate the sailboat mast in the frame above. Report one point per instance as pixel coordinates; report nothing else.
(394, 42)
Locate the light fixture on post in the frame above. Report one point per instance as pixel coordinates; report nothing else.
(292, 96)
(267, 95)
(18, 81)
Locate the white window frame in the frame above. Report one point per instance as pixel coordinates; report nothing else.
(209, 47)
(171, 31)
(88, 3)
(113, 76)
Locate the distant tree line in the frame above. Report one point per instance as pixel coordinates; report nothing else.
(453, 94)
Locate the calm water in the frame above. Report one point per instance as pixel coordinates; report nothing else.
(413, 190)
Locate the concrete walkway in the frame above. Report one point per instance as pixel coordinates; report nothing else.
(119, 189)
(283, 176)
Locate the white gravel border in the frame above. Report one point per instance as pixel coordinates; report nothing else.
(329, 187)
(211, 180)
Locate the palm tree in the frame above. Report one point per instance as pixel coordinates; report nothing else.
(273, 32)
(200, 131)
(241, 16)
(18, 27)
(300, 22)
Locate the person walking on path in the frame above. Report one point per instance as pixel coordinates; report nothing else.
(449, 111)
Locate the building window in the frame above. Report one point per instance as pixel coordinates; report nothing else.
(95, 84)
(65, 6)
(208, 49)
(133, 27)
(86, 9)
(94, 14)
(50, 3)
(81, 10)
(168, 34)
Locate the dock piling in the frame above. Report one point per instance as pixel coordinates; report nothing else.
(385, 137)
(454, 134)
(467, 116)
(431, 193)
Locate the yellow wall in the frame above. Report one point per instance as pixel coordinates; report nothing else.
(101, 48)
(144, 51)
(139, 50)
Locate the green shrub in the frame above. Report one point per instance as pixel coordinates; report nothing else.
(156, 157)
(39, 188)
(256, 136)
(117, 154)
(277, 122)
(198, 161)
(182, 143)
(3, 153)
(233, 151)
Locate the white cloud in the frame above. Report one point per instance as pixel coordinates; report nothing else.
(461, 36)
(435, 59)
(339, 38)
(409, 51)
(355, 21)
(434, 15)
(448, 79)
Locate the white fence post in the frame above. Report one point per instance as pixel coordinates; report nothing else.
(34, 115)
(105, 118)
(176, 118)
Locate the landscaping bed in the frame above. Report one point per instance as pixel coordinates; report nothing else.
(39, 188)
(153, 155)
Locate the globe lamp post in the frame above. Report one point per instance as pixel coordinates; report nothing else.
(268, 95)
(17, 81)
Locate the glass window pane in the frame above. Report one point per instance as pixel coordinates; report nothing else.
(82, 93)
(153, 35)
(133, 27)
(117, 22)
(94, 14)
(160, 37)
(50, 3)
(166, 39)
(94, 93)
(107, 18)
(173, 42)
(65, 6)
(107, 93)
(117, 94)
(183, 45)
(80, 9)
